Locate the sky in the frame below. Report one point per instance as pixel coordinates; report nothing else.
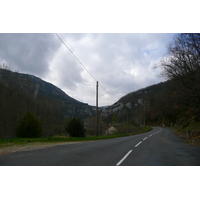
(120, 62)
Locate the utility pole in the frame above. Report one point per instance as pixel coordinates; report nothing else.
(97, 113)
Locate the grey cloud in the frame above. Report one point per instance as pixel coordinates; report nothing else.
(68, 72)
(126, 52)
(119, 53)
(29, 53)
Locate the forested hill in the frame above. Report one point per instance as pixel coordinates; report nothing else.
(141, 106)
(149, 91)
(20, 93)
(162, 103)
(35, 87)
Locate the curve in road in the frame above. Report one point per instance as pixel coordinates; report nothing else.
(159, 147)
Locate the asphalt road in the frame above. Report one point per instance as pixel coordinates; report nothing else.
(159, 147)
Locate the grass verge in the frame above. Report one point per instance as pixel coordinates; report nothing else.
(60, 139)
(190, 133)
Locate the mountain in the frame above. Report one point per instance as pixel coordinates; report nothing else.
(39, 89)
(135, 105)
(162, 103)
(129, 108)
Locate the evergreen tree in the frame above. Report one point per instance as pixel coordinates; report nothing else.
(29, 126)
(75, 128)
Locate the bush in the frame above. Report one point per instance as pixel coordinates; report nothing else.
(29, 126)
(127, 128)
(75, 128)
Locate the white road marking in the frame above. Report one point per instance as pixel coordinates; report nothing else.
(138, 144)
(158, 131)
(123, 158)
(119, 163)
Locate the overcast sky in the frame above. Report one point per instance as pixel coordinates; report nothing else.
(122, 63)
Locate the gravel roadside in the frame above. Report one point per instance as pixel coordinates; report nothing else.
(5, 149)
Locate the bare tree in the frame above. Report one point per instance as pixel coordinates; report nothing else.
(182, 64)
(183, 57)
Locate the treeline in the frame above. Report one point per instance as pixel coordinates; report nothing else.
(15, 102)
(180, 101)
(164, 108)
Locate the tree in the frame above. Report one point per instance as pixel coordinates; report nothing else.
(182, 65)
(75, 128)
(29, 126)
(114, 119)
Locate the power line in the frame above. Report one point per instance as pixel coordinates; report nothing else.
(83, 65)
(106, 91)
(75, 56)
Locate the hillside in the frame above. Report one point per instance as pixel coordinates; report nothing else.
(129, 108)
(158, 104)
(20, 93)
(39, 89)
(134, 106)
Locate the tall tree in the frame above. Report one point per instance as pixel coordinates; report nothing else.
(182, 65)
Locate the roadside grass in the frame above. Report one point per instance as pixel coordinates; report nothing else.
(59, 139)
(190, 133)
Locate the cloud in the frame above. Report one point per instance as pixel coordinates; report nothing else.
(64, 70)
(122, 63)
(28, 53)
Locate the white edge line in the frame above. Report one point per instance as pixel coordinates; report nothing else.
(123, 158)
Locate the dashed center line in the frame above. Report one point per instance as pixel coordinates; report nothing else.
(119, 163)
(138, 144)
(123, 158)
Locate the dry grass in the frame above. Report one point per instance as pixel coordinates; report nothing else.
(10, 148)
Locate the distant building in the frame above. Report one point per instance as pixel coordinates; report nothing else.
(111, 130)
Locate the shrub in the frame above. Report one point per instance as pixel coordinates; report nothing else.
(29, 126)
(75, 128)
(127, 128)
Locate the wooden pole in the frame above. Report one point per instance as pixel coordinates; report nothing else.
(97, 109)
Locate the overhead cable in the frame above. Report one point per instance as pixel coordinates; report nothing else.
(82, 65)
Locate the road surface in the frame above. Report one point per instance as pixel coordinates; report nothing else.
(159, 147)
